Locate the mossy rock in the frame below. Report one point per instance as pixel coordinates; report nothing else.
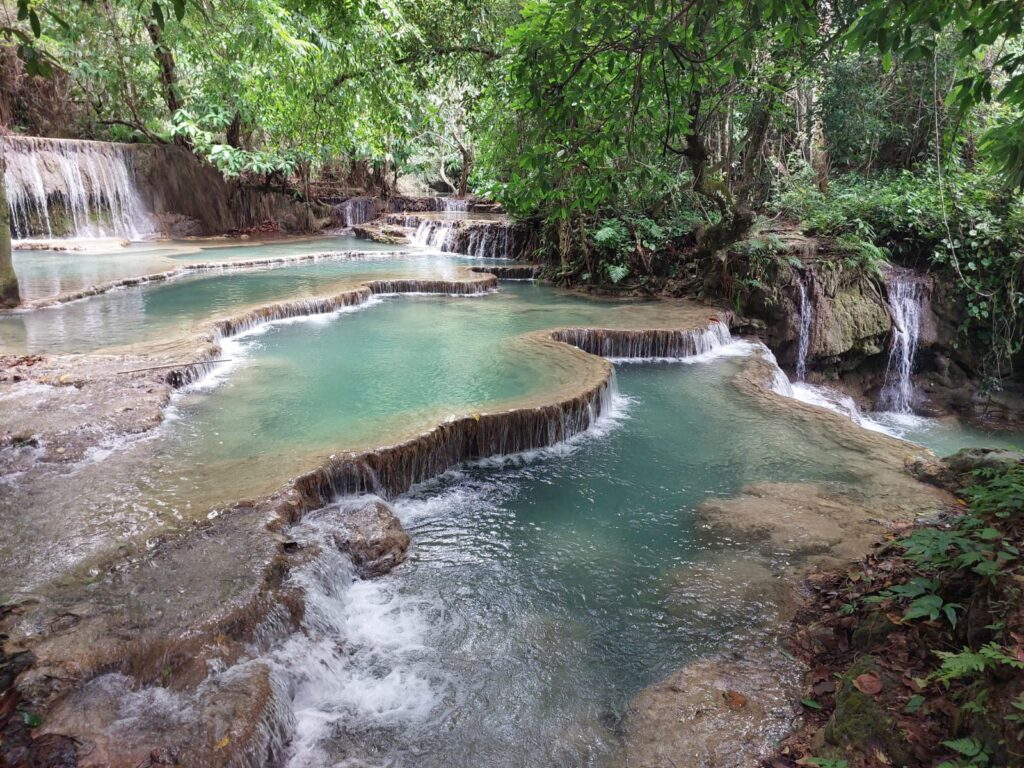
(875, 627)
(860, 723)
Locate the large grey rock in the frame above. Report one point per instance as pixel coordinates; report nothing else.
(373, 537)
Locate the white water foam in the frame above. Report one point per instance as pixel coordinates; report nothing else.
(361, 660)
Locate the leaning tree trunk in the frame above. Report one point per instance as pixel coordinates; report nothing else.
(9, 294)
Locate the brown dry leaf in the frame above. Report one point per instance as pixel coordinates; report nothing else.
(868, 683)
(734, 699)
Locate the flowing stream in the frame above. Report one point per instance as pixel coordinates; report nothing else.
(544, 589)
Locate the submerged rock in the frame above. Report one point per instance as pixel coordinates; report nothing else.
(725, 590)
(373, 537)
(795, 519)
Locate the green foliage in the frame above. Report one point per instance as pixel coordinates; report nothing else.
(917, 31)
(972, 754)
(600, 120)
(231, 161)
(971, 559)
(957, 665)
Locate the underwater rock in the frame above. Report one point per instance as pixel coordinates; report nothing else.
(373, 537)
(795, 519)
(724, 711)
(725, 589)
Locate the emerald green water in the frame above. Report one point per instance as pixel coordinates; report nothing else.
(292, 395)
(153, 311)
(545, 591)
(44, 273)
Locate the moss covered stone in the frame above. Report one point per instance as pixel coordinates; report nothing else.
(859, 722)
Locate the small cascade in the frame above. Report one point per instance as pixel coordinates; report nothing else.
(489, 242)
(806, 318)
(433, 234)
(355, 211)
(780, 383)
(453, 204)
(907, 295)
(646, 344)
(64, 188)
(479, 239)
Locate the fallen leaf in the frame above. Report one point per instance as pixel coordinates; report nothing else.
(868, 683)
(222, 743)
(734, 699)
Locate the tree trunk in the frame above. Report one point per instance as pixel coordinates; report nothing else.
(168, 73)
(444, 174)
(233, 134)
(467, 164)
(9, 294)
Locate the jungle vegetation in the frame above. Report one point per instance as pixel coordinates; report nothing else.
(643, 139)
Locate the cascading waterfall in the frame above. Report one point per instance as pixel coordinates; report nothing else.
(61, 188)
(806, 318)
(906, 299)
(433, 234)
(481, 240)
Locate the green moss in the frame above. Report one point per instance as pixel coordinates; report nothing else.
(872, 630)
(859, 722)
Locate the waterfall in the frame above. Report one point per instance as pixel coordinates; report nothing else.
(453, 204)
(356, 210)
(433, 234)
(64, 188)
(806, 318)
(906, 299)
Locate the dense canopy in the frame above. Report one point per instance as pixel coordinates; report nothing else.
(642, 139)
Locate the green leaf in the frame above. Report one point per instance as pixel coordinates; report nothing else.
(914, 703)
(31, 719)
(926, 606)
(966, 747)
(158, 14)
(810, 703)
(179, 9)
(33, 20)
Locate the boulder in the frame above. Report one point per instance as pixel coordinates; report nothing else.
(373, 537)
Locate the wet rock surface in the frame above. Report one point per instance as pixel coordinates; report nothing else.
(372, 536)
(795, 519)
(54, 409)
(721, 712)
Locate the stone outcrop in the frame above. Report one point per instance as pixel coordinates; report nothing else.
(372, 536)
(188, 197)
